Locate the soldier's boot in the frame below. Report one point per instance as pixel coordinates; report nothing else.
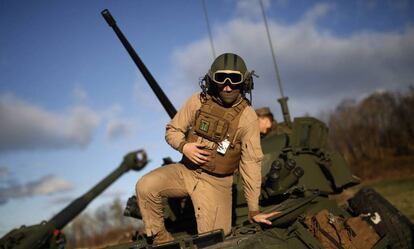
(162, 237)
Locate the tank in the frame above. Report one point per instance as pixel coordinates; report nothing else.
(300, 172)
(48, 234)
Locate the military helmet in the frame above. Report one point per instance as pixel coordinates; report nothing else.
(231, 68)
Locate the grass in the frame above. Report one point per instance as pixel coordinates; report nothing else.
(400, 192)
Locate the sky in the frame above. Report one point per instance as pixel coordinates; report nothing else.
(72, 102)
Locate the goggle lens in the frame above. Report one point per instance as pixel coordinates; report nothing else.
(221, 77)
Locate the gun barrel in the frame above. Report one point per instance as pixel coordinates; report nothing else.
(135, 160)
(166, 103)
(74, 208)
(39, 237)
(285, 111)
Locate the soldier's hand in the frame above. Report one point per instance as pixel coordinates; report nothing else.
(195, 152)
(264, 217)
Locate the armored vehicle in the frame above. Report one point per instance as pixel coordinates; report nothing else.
(300, 172)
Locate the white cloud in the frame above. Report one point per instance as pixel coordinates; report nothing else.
(6, 178)
(27, 126)
(49, 185)
(318, 68)
(315, 13)
(46, 185)
(117, 129)
(251, 8)
(116, 126)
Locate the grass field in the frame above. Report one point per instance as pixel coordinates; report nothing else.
(400, 192)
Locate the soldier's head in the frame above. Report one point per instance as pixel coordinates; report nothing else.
(266, 119)
(228, 78)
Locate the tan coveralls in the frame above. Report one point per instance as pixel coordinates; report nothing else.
(211, 195)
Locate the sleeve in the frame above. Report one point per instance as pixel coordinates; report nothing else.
(177, 128)
(250, 163)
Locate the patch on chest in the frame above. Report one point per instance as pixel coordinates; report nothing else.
(204, 125)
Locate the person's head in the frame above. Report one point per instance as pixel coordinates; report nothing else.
(228, 78)
(265, 119)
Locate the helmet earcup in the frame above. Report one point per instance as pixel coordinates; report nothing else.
(248, 82)
(207, 80)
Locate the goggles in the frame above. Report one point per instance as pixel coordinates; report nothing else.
(235, 77)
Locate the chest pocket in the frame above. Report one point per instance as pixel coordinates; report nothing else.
(211, 127)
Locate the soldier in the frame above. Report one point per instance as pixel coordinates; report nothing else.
(268, 124)
(217, 132)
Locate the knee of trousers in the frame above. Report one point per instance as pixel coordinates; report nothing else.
(145, 186)
(227, 230)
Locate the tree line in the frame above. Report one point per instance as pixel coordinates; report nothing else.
(104, 226)
(376, 133)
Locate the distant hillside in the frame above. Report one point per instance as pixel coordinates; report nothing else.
(376, 134)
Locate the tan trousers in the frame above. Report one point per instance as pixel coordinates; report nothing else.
(211, 197)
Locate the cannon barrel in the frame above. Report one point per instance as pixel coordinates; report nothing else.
(285, 111)
(135, 160)
(166, 103)
(40, 236)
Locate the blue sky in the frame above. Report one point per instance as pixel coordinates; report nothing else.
(72, 102)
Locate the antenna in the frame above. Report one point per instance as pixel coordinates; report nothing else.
(282, 100)
(209, 29)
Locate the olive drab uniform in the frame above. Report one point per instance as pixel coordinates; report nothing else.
(232, 136)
